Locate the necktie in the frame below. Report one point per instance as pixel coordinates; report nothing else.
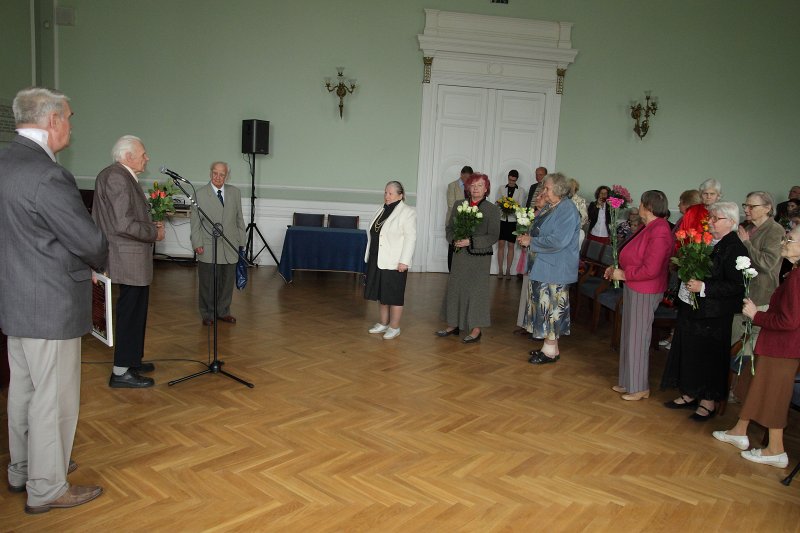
(219, 195)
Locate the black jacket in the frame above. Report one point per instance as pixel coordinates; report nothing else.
(724, 287)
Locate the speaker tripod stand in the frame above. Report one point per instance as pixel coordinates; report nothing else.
(252, 227)
(215, 367)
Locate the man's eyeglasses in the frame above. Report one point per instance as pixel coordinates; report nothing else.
(787, 240)
(715, 218)
(751, 206)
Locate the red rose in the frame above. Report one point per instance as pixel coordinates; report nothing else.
(154, 195)
(707, 237)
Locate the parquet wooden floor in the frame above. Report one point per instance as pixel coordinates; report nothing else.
(347, 432)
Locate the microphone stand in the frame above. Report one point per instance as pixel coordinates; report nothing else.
(216, 365)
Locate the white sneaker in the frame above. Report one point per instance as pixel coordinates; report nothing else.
(779, 461)
(378, 328)
(391, 333)
(664, 342)
(741, 442)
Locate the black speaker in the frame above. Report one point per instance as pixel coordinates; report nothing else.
(255, 136)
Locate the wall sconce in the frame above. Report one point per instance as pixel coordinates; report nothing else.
(341, 88)
(641, 114)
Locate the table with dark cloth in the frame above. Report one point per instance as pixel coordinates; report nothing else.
(329, 249)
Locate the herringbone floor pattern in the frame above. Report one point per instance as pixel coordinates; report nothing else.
(347, 432)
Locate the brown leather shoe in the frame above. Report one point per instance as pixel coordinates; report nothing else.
(73, 466)
(228, 318)
(207, 322)
(75, 495)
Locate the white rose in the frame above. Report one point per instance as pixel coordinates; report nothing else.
(479, 215)
(742, 262)
(751, 272)
(460, 208)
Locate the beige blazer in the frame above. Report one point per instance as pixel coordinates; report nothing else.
(121, 211)
(764, 248)
(454, 192)
(397, 238)
(229, 216)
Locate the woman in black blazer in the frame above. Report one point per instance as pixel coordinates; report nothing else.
(699, 358)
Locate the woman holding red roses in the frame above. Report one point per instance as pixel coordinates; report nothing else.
(698, 360)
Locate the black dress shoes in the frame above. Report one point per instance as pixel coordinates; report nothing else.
(709, 414)
(539, 358)
(445, 333)
(144, 368)
(130, 380)
(683, 404)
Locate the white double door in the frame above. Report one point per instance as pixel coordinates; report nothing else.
(491, 130)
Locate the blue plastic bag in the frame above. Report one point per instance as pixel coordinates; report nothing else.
(241, 270)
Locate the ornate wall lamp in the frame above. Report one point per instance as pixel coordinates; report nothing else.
(641, 114)
(341, 88)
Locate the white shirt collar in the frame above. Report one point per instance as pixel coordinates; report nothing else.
(40, 137)
(220, 189)
(131, 171)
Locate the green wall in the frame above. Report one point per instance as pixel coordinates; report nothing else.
(182, 74)
(15, 49)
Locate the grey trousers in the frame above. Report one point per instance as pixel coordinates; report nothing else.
(634, 346)
(44, 397)
(226, 274)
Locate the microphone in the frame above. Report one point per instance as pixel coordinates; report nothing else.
(173, 175)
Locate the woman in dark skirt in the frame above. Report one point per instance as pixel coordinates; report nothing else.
(467, 298)
(508, 224)
(390, 247)
(778, 351)
(700, 354)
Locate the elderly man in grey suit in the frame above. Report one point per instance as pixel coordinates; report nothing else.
(223, 205)
(122, 212)
(48, 244)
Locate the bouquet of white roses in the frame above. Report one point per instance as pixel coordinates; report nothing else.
(524, 220)
(748, 273)
(467, 219)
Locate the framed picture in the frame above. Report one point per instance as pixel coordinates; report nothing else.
(102, 324)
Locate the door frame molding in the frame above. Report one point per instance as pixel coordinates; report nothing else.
(493, 53)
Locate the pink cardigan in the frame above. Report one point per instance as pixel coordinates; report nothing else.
(645, 259)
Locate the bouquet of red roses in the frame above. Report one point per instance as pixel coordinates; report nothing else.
(693, 258)
(160, 198)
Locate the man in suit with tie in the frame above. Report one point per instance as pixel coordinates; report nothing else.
(48, 244)
(122, 212)
(223, 205)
